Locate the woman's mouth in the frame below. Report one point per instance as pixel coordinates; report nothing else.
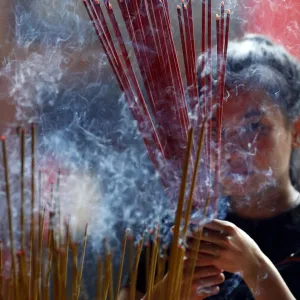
(237, 169)
(239, 166)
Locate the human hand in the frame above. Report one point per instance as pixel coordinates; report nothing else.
(228, 248)
(204, 283)
(206, 278)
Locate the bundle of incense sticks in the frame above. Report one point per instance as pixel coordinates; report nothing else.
(38, 269)
(163, 110)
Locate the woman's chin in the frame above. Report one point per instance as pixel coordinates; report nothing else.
(241, 186)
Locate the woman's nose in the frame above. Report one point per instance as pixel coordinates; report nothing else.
(234, 140)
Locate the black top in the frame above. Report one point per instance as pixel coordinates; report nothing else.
(278, 238)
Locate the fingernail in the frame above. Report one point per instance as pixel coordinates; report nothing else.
(172, 229)
(201, 290)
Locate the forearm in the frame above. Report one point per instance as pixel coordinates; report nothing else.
(265, 281)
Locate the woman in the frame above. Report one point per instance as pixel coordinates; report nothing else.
(256, 251)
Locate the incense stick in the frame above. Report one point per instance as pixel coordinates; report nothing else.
(194, 178)
(67, 246)
(179, 267)
(121, 264)
(148, 254)
(154, 256)
(9, 213)
(99, 280)
(1, 270)
(22, 169)
(75, 286)
(107, 273)
(183, 43)
(82, 260)
(33, 258)
(133, 277)
(40, 246)
(174, 247)
(23, 274)
(57, 210)
(222, 57)
(131, 251)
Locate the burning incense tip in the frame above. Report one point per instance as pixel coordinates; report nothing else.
(178, 7)
(222, 3)
(217, 17)
(109, 5)
(228, 11)
(184, 6)
(2, 137)
(182, 1)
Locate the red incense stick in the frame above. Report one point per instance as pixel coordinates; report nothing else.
(140, 110)
(165, 123)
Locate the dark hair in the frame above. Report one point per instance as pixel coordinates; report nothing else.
(255, 62)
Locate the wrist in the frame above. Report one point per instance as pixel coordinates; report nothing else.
(264, 280)
(257, 269)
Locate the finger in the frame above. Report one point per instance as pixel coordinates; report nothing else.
(207, 292)
(192, 243)
(215, 237)
(211, 236)
(211, 249)
(208, 235)
(202, 272)
(220, 225)
(191, 256)
(204, 260)
(209, 281)
(206, 271)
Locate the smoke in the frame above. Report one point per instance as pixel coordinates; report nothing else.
(58, 77)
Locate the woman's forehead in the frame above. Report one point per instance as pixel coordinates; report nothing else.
(249, 104)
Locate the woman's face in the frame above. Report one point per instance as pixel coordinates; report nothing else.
(256, 144)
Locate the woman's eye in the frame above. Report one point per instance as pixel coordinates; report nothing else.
(255, 127)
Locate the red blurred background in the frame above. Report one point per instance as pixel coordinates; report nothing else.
(278, 19)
